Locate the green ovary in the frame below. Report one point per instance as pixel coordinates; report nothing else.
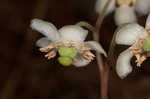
(67, 52)
(65, 61)
(146, 45)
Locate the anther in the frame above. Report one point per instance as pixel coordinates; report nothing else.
(47, 48)
(51, 54)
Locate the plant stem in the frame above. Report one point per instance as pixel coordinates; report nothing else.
(103, 72)
(101, 18)
(111, 56)
(86, 25)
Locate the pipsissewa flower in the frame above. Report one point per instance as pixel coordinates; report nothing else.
(68, 41)
(138, 38)
(124, 9)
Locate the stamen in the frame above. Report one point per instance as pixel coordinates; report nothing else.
(71, 44)
(88, 55)
(138, 56)
(138, 47)
(83, 48)
(137, 50)
(58, 44)
(51, 54)
(142, 58)
(47, 48)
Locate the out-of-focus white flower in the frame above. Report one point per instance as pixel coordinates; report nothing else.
(124, 9)
(68, 41)
(139, 39)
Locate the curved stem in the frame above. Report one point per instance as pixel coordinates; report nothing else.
(101, 16)
(111, 56)
(103, 76)
(102, 70)
(86, 25)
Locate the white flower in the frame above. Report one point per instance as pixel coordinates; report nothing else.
(135, 36)
(72, 37)
(124, 9)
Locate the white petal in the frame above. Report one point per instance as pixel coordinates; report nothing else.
(81, 63)
(100, 6)
(46, 28)
(124, 14)
(95, 46)
(44, 41)
(147, 26)
(143, 6)
(129, 34)
(73, 33)
(123, 66)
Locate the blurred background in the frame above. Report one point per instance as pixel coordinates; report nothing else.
(26, 74)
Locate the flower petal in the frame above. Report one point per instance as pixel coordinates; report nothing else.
(100, 4)
(124, 14)
(44, 41)
(46, 28)
(81, 63)
(147, 26)
(142, 6)
(95, 46)
(129, 34)
(73, 33)
(123, 66)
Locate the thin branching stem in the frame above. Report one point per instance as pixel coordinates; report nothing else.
(100, 19)
(87, 25)
(111, 56)
(102, 70)
(95, 30)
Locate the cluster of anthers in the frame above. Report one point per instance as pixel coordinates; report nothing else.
(51, 49)
(139, 53)
(138, 50)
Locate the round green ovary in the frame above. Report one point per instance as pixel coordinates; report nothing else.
(67, 52)
(146, 45)
(65, 61)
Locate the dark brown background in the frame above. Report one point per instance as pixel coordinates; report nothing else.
(26, 74)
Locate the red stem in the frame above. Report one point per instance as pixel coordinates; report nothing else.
(103, 77)
(102, 70)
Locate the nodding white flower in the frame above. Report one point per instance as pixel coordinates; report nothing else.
(139, 39)
(124, 9)
(68, 41)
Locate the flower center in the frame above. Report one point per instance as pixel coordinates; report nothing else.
(68, 52)
(142, 48)
(138, 52)
(122, 2)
